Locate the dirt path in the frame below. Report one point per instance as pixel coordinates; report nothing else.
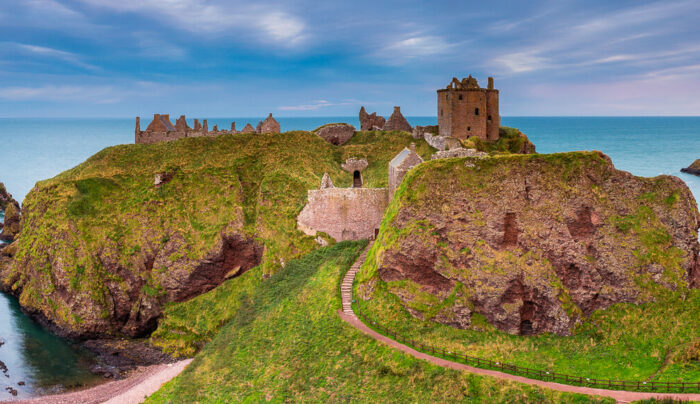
(132, 390)
(348, 315)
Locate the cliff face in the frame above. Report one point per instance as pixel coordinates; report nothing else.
(106, 245)
(11, 210)
(533, 243)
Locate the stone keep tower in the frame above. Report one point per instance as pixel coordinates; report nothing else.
(465, 109)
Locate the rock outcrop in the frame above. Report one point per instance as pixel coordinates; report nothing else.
(11, 209)
(397, 122)
(371, 121)
(336, 133)
(693, 168)
(535, 243)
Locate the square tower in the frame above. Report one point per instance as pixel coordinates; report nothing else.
(465, 109)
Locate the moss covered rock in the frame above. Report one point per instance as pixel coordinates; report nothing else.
(693, 168)
(533, 243)
(103, 248)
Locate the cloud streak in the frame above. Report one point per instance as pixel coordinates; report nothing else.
(279, 27)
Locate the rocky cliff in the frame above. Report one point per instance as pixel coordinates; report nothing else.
(106, 245)
(10, 226)
(533, 243)
(693, 168)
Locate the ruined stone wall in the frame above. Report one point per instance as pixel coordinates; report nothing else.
(444, 113)
(344, 213)
(493, 116)
(155, 137)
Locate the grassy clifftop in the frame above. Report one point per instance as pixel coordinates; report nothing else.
(557, 262)
(284, 342)
(103, 248)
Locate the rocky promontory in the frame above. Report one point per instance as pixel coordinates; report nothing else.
(105, 246)
(693, 168)
(11, 211)
(533, 243)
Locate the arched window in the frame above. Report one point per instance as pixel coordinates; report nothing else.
(460, 96)
(476, 111)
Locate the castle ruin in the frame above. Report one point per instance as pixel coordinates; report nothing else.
(162, 130)
(465, 110)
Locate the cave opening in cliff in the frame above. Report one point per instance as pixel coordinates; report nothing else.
(527, 312)
(356, 179)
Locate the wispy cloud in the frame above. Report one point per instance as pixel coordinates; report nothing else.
(59, 93)
(580, 40)
(42, 51)
(280, 27)
(413, 46)
(316, 105)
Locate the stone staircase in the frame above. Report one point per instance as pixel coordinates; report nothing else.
(346, 287)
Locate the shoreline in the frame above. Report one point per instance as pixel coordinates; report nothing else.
(133, 389)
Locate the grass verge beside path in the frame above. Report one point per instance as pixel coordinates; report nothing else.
(286, 342)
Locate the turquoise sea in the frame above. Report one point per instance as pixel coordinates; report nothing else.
(36, 149)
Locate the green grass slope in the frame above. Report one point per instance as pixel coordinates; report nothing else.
(658, 339)
(106, 213)
(283, 341)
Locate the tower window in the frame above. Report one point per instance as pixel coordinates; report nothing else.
(441, 112)
(469, 128)
(447, 96)
(476, 111)
(460, 96)
(489, 117)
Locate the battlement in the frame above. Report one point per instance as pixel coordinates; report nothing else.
(162, 130)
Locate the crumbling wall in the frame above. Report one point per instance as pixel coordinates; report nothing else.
(344, 213)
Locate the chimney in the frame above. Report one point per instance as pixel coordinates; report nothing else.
(166, 117)
(397, 110)
(233, 127)
(205, 126)
(216, 128)
(138, 125)
(490, 87)
(197, 126)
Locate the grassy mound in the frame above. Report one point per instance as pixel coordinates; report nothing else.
(283, 341)
(103, 221)
(658, 339)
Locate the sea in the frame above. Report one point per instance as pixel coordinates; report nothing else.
(35, 149)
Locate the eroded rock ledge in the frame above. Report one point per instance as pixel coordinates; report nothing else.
(535, 243)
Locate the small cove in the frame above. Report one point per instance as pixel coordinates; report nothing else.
(35, 362)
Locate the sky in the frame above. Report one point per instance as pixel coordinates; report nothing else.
(219, 58)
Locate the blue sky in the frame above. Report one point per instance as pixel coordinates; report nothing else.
(122, 58)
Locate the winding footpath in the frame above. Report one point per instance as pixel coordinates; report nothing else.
(349, 316)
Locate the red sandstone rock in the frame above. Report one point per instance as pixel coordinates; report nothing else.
(370, 121)
(523, 234)
(397, 122)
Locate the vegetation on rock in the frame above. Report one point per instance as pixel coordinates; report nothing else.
(474, 250)
(104, 248)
